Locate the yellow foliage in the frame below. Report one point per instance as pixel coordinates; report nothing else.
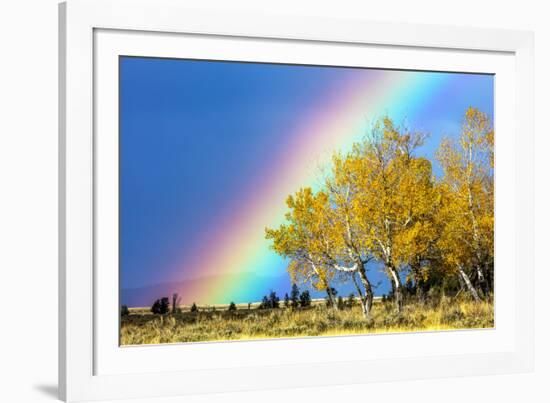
(382, 201)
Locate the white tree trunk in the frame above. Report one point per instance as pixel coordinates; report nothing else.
(330, 296)
(482, 280)
(397, 287)
(468, 283)
(367, 301)
(362, 299)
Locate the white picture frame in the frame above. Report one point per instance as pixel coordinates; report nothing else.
(83, 344)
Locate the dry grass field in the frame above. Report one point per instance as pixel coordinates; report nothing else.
(142, 327)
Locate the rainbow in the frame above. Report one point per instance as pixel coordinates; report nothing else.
(236, 244)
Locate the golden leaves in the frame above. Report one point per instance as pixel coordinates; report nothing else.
(382, 200)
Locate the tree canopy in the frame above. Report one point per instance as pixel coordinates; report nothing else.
(381, 202)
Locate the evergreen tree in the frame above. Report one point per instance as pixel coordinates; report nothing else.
(264, 304)
(161, 306)
(232, 307)
(194, 308)
(305, 299)
(294, 296)
(273, 300)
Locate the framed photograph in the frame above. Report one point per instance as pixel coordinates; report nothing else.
(255, 201)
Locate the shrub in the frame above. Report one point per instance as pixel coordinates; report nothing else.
(232, 307)
(321, 326)
(161, 306)
(341, 305)
(393, 319)
(452, 315)
(124, 311)
(194, 308)
(349, 324)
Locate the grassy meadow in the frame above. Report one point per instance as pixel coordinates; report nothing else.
(221, 324)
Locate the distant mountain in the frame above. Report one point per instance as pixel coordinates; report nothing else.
(145, 296)
(252, 291)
